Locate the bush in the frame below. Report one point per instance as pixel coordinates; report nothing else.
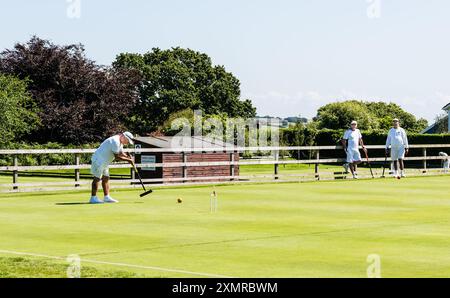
(46, 159)
(330, 137)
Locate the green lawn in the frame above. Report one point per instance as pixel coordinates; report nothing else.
(319, 229)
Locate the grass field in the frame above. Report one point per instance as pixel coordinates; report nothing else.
(318, 229)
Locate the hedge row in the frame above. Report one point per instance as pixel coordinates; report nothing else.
(331, 137)
(326, 137)
(45, 159)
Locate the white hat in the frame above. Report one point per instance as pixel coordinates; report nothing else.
(354, 122)
(395, 120)
(129, 137)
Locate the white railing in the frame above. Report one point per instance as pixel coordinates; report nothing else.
(78, 183)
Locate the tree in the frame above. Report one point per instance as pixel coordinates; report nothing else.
(370, 116)
(179, 79)
(18, 113)
(78, 101)
(386, 112)
(339, 115)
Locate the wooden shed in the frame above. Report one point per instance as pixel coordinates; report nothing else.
(167, 157)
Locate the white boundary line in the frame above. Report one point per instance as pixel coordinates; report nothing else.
(115, 264)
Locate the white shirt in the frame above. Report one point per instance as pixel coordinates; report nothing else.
(105, 153)
(397, 138)
(352, 137)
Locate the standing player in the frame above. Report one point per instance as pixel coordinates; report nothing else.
(351, 141)
(109, 150)
(398, 142)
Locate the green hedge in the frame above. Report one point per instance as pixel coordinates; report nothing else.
(331, 137)
(45, 159)
(301, 136)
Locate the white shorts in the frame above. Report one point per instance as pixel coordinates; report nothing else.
(353, 155)
(99, 169)
(397, 153)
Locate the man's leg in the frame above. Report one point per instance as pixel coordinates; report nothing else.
(396, 168)
(356, 157)
(395, 157)
(94, 199)
(105, 185)
(94, 188)
(401, 164)
(355, 166)
(402, 168)
(352, 168)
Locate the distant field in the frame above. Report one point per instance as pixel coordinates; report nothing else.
(319, 229)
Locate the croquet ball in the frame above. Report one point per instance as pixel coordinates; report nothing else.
(398, 177)
(180, 200)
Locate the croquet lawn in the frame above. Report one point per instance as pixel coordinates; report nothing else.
(314, 229)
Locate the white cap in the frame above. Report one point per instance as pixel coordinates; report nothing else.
(354, 122)
(129, 137)
(395, 120)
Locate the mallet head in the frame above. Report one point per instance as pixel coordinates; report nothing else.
(146, 193)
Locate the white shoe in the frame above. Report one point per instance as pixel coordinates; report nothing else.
(108, 199)
(403, 175)
(95, 200)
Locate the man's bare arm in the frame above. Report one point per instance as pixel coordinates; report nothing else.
(123, 156)
(362, 144)
(344, 144)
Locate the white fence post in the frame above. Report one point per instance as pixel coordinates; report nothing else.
(77, 171)
(15, 172)
(316, 167)
(276, 165)
(425, 159)
(185, 170)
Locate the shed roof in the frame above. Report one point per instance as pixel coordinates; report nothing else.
(447, 107)
(182, 142)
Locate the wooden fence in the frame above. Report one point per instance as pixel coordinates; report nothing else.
(314, 159)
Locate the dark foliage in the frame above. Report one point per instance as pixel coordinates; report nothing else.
(79, 101)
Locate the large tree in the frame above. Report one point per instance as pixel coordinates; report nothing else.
(385, 112)
(79, 101)
(370, 116)
(338, 115)
(18, 112)
(179, 79)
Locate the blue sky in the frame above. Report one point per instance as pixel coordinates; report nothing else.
(290, 56)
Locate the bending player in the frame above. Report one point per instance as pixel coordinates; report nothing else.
(111, 149)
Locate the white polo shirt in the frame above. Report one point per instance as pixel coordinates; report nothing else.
(105, 153)
(397, 138)
(352, 137)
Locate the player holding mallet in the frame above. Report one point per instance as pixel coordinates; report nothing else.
(351, 141)
(111, 149)
(398, 143)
